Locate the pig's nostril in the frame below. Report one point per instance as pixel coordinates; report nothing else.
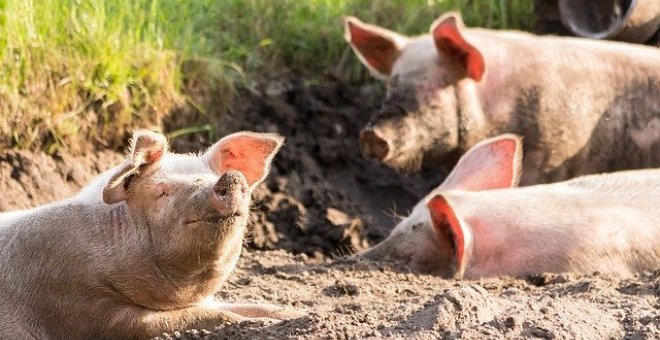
(373, 145)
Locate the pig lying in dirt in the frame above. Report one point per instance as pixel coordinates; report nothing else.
(476, 225)
(140, 250)
(583, 106)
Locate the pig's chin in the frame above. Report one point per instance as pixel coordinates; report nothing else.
(415, 156)
(420, 263)
(415, 161)
(405, 162)
(423, 266)
(218, 220)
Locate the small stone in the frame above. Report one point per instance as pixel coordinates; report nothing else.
(337, 217)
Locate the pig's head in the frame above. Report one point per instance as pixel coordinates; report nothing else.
(420, 120)
(193, 209)
(434, 238)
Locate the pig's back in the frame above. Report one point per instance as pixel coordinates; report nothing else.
(7, 218)
(630, 188)
(92, 193)
(565, 50)
(607, 223)
(633, 190)
(632, 184)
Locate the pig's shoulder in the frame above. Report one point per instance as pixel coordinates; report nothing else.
(92, 192)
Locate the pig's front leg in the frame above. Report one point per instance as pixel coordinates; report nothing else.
(251, 310)
(208, 316)
(144, 325)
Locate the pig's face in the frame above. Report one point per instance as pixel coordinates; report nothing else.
(420, 119)
(194, 207)
(434, 238)
(191, 211)
(415, 245)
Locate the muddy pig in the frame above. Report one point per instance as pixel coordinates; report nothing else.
(476, 224)
(583, 106)
(139, 251)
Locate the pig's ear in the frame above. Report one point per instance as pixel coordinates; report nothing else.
(449, 42)
(493, 163)
(376, 47)
(250, 153)
(450, 232)
(145, 151)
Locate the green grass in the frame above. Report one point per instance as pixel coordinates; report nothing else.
(80, 70)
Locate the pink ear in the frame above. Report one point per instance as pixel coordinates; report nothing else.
(493, 163)
(247, 152)
(147, 147)
(450, 42)
(449, 229)
(377, 47)
(146, 150)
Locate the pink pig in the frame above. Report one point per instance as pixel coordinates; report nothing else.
(476, 224)
(583, 106)
(139, 251)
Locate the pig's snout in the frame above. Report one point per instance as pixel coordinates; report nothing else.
(374, 144)
(376, 253)
(230, 194)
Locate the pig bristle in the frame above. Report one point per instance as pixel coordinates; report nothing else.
(342, 251)
(391, 213)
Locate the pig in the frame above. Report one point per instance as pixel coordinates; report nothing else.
(477, 223)
(140, 250)
(583, 106)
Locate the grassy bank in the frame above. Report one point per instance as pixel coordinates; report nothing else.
(76, 70)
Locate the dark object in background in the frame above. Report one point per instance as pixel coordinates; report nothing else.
(635, 21)
(548, 20)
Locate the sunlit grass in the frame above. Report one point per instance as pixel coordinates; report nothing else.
(81, 70)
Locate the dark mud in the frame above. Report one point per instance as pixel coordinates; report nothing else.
(322, 199)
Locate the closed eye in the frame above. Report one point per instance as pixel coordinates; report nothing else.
(163, 194)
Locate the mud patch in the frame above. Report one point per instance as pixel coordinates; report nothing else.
(322, 197)
(28, 179)
(359, 300)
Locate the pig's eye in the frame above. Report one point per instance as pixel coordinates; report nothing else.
(163, 194)
(416, 226)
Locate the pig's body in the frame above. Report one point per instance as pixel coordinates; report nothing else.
(102, 245)
(608, 223)
(583, 106)
(605, 223)
(81, 268)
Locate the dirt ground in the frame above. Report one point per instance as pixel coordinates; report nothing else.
(322, 200)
